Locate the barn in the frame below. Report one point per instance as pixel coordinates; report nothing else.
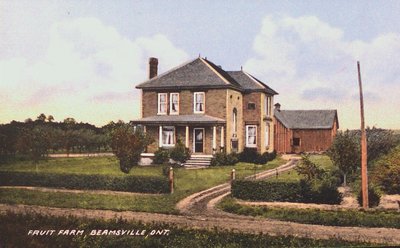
(298, 131)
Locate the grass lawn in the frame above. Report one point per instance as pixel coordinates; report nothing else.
(377, 218)
(322, 160)
(186, 183)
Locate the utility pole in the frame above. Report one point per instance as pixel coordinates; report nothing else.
(364, 173)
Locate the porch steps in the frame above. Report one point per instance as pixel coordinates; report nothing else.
(198, 161)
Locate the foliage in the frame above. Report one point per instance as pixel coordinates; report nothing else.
(345, 153)
(376, 218)
(386, 172)
(180, 153)
(144, 184)
(127, 145)
(309, 169)
(374, 196)
(13, 235)
(161, 156)
(222, 158)
(302, 191)
(249, 155)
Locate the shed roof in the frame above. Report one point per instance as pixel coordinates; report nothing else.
(307, 119)
(179, 119)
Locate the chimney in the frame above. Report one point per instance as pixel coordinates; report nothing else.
(153, 67)
(277, 107)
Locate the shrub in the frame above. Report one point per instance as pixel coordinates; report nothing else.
(249, 155)
(302, 191)
(161, 156)
(387, 172)
(143, 184)
(374, 197)
(180, 153)
(221, 158)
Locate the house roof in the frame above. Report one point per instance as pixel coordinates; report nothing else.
(179, 119)
(202, 73)
(307, 119)
(250, 83)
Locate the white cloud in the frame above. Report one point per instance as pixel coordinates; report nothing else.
(312, 65)
(85, 60)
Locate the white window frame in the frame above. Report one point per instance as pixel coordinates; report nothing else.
(173, 138)
(267, 105)
(171, 112)
(267, 135)
(194, 102)
(247, 136)
(234, 122)
(159, 104)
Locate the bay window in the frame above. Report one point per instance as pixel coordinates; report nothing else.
(251, 136)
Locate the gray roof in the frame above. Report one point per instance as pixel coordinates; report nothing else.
(202, 73)
(307, 119)
(179, 119)
(250, 83)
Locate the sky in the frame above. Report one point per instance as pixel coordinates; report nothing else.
(82, 59)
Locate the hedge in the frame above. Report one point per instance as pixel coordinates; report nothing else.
(142, 184)
(285, 192)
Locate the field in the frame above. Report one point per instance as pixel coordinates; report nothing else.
(186, 183)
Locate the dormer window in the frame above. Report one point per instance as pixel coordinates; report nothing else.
(174, 104)
(199, 102)
(162, 103)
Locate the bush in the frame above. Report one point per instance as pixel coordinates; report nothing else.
(249, 155)
(386, 172)
(180, 153)
(221, 158)
(142, 184)
(161, 156)
(374, 197)
(302, 191)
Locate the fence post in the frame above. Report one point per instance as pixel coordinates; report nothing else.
(171, 179)
(233, 175)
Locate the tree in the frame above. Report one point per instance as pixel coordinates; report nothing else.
(127, 145)
(309, 169)
(41, 118)
(345, 153)
(50, 118)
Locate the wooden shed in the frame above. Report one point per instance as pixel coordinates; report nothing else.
(298, 131)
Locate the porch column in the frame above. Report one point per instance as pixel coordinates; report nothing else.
(222, 137)
(144, 129)
(187, 137)
(160, 137)
(214, 139)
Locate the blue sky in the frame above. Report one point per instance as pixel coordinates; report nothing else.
(82, 59)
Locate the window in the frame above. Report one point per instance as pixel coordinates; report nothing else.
(162, 103)
(296, 141)
(268, 104)
(251, 136)
(168, 136)
(251, 106)
(267, 135)
(174, 103)
(234, 122)
(199, 102)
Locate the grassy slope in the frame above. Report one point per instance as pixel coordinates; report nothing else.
(186, 183)
(321, 160)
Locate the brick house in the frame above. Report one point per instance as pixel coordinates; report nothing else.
(298, 131)
(207, 108)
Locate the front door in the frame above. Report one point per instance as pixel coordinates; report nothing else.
(198, 140)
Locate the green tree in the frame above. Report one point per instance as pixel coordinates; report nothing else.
(127, 144)
(309, 169)
(345, 154)
(41, 118)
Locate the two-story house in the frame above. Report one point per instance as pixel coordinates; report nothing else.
(207, 108)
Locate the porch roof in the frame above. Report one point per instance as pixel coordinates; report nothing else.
(179, 119)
